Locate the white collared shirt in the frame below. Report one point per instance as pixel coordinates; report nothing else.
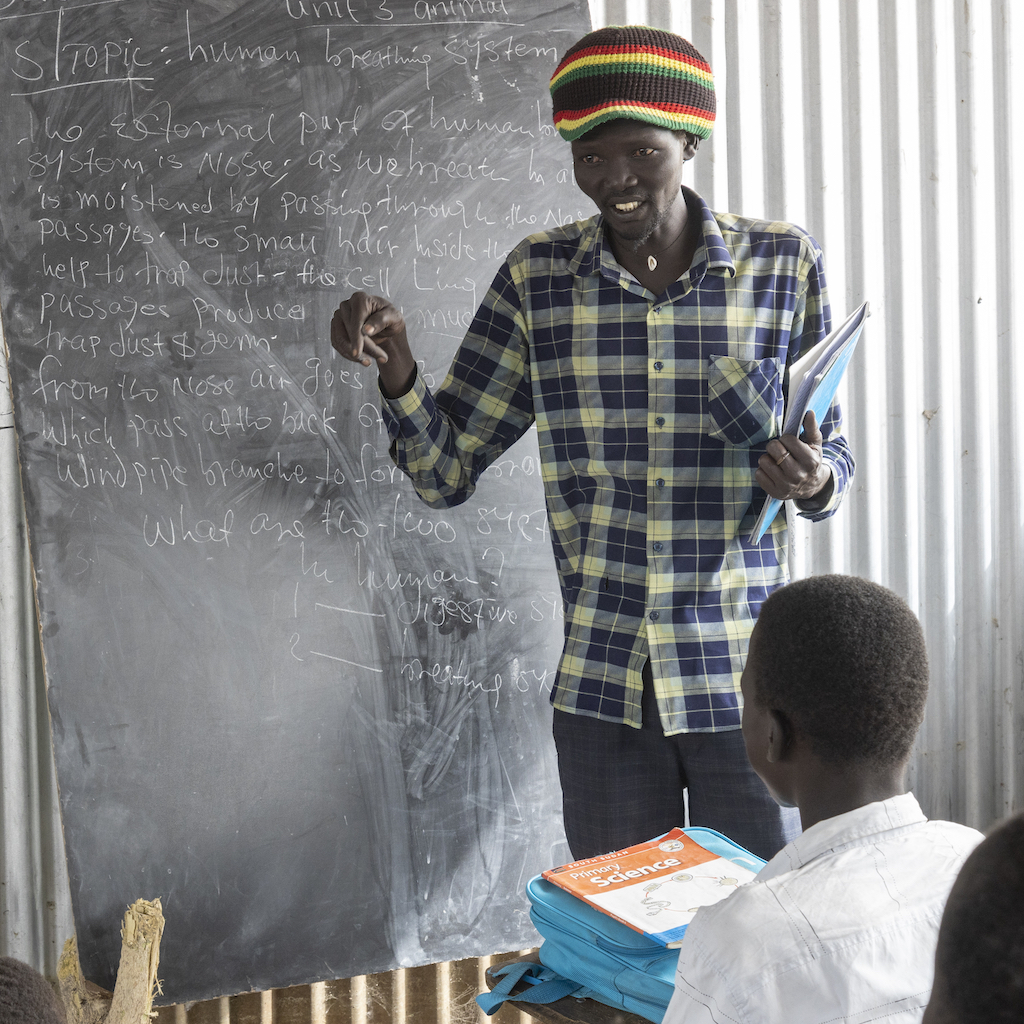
(840, 926)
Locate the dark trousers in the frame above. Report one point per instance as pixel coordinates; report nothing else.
(622, 786)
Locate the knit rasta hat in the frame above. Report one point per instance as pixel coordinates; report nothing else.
(635, 72)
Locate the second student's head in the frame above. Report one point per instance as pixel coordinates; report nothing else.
(836, 668)
(979, 963)
(26, 996)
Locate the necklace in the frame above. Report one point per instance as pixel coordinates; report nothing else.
(652, 262)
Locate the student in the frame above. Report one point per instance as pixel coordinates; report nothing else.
(841, 924)
(26, 996)
(979, 963)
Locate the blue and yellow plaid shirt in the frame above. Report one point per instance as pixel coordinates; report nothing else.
(651, 413)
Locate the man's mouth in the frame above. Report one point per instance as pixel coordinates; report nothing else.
(629, 207)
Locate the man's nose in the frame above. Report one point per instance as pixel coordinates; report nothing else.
(621, 175)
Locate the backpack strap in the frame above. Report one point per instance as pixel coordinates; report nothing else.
(544, 986)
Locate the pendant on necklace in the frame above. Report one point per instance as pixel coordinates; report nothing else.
(652, 263)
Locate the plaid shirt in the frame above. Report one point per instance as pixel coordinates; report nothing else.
(651, 413)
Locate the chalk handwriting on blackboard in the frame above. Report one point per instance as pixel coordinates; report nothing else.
(303, 708)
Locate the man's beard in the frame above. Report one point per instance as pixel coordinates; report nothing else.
(660, 217)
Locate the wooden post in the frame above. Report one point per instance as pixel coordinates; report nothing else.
(132, 999)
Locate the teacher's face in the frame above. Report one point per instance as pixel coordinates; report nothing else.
(633, 172)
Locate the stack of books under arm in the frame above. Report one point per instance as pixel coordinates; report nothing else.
(812, 384)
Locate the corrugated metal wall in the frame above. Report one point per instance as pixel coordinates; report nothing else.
(890, 129)
(35, 904)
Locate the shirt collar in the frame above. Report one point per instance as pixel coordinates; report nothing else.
(590, 249)
(714, 253)
(858, 827)
(711, 254)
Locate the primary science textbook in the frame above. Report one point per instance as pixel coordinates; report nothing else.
(655, 887)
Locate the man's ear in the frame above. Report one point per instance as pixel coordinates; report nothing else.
(780, 737)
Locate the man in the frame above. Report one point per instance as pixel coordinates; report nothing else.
(979, 962)
(649, 344)
(841, 924)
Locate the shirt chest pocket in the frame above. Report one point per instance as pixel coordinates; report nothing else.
(745, 399)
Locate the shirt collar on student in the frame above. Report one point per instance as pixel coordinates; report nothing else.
(713, 254)
(854, 828)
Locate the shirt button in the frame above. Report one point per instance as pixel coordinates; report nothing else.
(660, 421)
(657, 545)
(654, 616)
(659, 365)
(659, 482)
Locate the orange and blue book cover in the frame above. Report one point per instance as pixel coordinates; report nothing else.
(655, 887)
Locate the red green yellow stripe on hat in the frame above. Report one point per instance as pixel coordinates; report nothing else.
(636, 72)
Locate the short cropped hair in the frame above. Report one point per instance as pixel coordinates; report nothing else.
(26, 996)
(844, 660)
(980, 954)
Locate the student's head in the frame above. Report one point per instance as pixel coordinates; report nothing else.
(26, 996)
(979, 962)
(637, 73)
(838, 664)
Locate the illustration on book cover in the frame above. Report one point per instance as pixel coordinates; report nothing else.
(679, 896)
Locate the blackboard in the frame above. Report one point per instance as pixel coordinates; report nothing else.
(306, 711)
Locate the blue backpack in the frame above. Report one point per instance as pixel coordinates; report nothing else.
(586, 953)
